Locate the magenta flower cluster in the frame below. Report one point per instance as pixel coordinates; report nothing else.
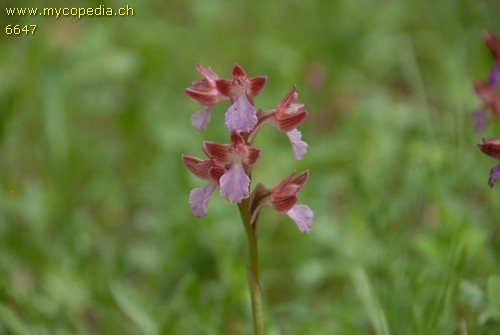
(229, 166)
(489, 92)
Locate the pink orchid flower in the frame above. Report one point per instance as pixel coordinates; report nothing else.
(205, 93)
(234, 183)
(241, 116)
(205, 170)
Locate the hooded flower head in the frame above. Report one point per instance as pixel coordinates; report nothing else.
(205, 93)
(287, 116)
(234, 183)
(284, 198)
(241, 116)
(491, 147)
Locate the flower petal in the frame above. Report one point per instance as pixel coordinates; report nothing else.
(224, 87)
(491, 147)
(289, 121)
(207, 73)
(284, 198)
(494, 175)
(234, 184)
(217, 152)
(251, 155)
(303, 216)
(203, 93)
(216, 172)
(301, 178)
(290, 98)
(198, 199)
(238, 71)
(241, 116)
(256, 85)
(198, 167)
(299, 147)
(201, 118)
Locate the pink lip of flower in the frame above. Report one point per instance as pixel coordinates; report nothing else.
(205, 93)
(241, 116)
(205, 170)
(234, 183)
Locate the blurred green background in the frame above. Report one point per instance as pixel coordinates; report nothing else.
(96, 235)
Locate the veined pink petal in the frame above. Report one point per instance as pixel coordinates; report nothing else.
(300, 179)
(290, 98)
(216, 172)
(207, 73)
(217, 152)
(224, 87)
(284, 195)
(491, 147)
(237, 139)
(494, 175)
(238, 71)
(198, 167)
(256, 85)
(303, 216)
(241, 116)
(198, 199)
(284, 202)
(251, 155)
(289, 121)
(234, 184)
(201, 118)
(290, 115)
(203, 94)
(299, 147)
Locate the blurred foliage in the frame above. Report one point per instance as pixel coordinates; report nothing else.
(96, 236)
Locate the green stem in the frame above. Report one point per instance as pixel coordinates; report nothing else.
(253, 269)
